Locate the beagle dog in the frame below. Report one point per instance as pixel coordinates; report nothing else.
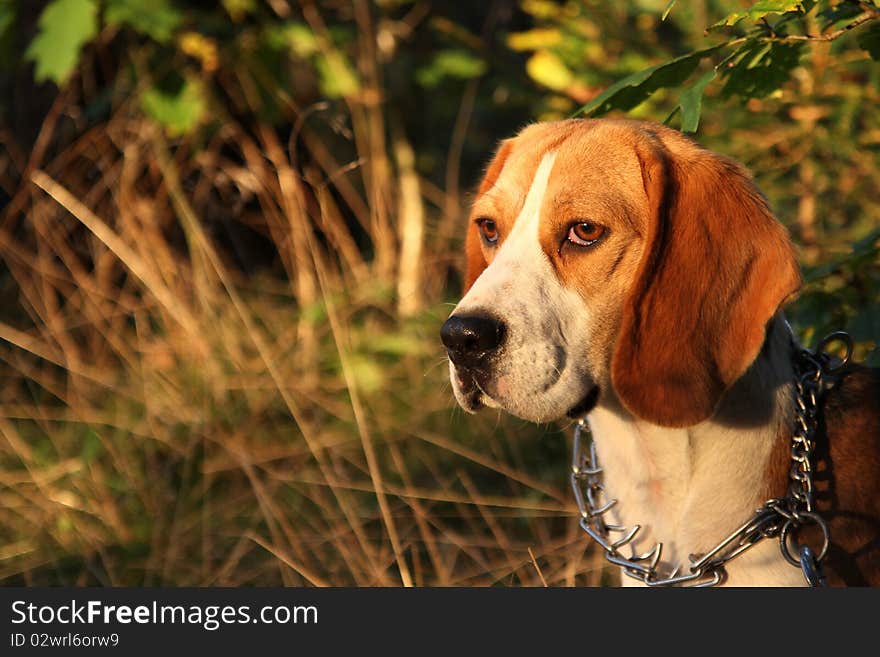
(617, 270)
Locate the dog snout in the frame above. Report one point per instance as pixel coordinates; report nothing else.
(471, 339)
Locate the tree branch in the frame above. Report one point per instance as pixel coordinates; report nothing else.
(831, 36)
(868, 16)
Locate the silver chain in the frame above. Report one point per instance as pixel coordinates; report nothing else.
(780, 517)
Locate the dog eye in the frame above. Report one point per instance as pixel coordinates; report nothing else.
(488, 229)
(585, 233)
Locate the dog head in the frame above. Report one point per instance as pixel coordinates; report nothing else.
(614, 259)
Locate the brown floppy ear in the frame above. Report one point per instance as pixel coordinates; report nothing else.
(476, 263)
(717, 266)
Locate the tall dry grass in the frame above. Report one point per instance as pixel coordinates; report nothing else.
(220, 367)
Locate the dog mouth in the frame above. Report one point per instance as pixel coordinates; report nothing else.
(585, 405)
(473, 396)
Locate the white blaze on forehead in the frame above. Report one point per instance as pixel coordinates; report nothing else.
(521, 252)
(527, 221)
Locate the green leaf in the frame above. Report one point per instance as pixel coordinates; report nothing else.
(759, 10)
(541, 9)
(239, 9)
(667, 9)
(548, 69)
(869, 40)
(761, 68)
(336, 76)
(534, 39)
(691, 101)
(636, 88)
(156, 18)
(457, 63)
(369, 374)
(179, 111)
(301, 41)
(64, 27)
(837, 16)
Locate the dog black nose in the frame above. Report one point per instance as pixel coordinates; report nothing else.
(470, 338)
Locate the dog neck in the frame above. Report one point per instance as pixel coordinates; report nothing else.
(689, 488)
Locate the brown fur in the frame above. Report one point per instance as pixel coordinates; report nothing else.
(847, 477)
(717, 268)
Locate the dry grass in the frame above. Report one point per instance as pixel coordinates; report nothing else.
(220, 367)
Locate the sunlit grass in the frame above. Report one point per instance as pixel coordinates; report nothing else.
(169, 419)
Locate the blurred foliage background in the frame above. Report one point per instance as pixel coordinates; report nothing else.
(229, 232)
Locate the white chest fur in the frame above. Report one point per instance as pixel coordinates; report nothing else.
(689, 488)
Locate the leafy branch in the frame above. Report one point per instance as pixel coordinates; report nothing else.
(868, 16)
(752, 66)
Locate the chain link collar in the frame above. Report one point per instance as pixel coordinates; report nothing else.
(780, 517)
